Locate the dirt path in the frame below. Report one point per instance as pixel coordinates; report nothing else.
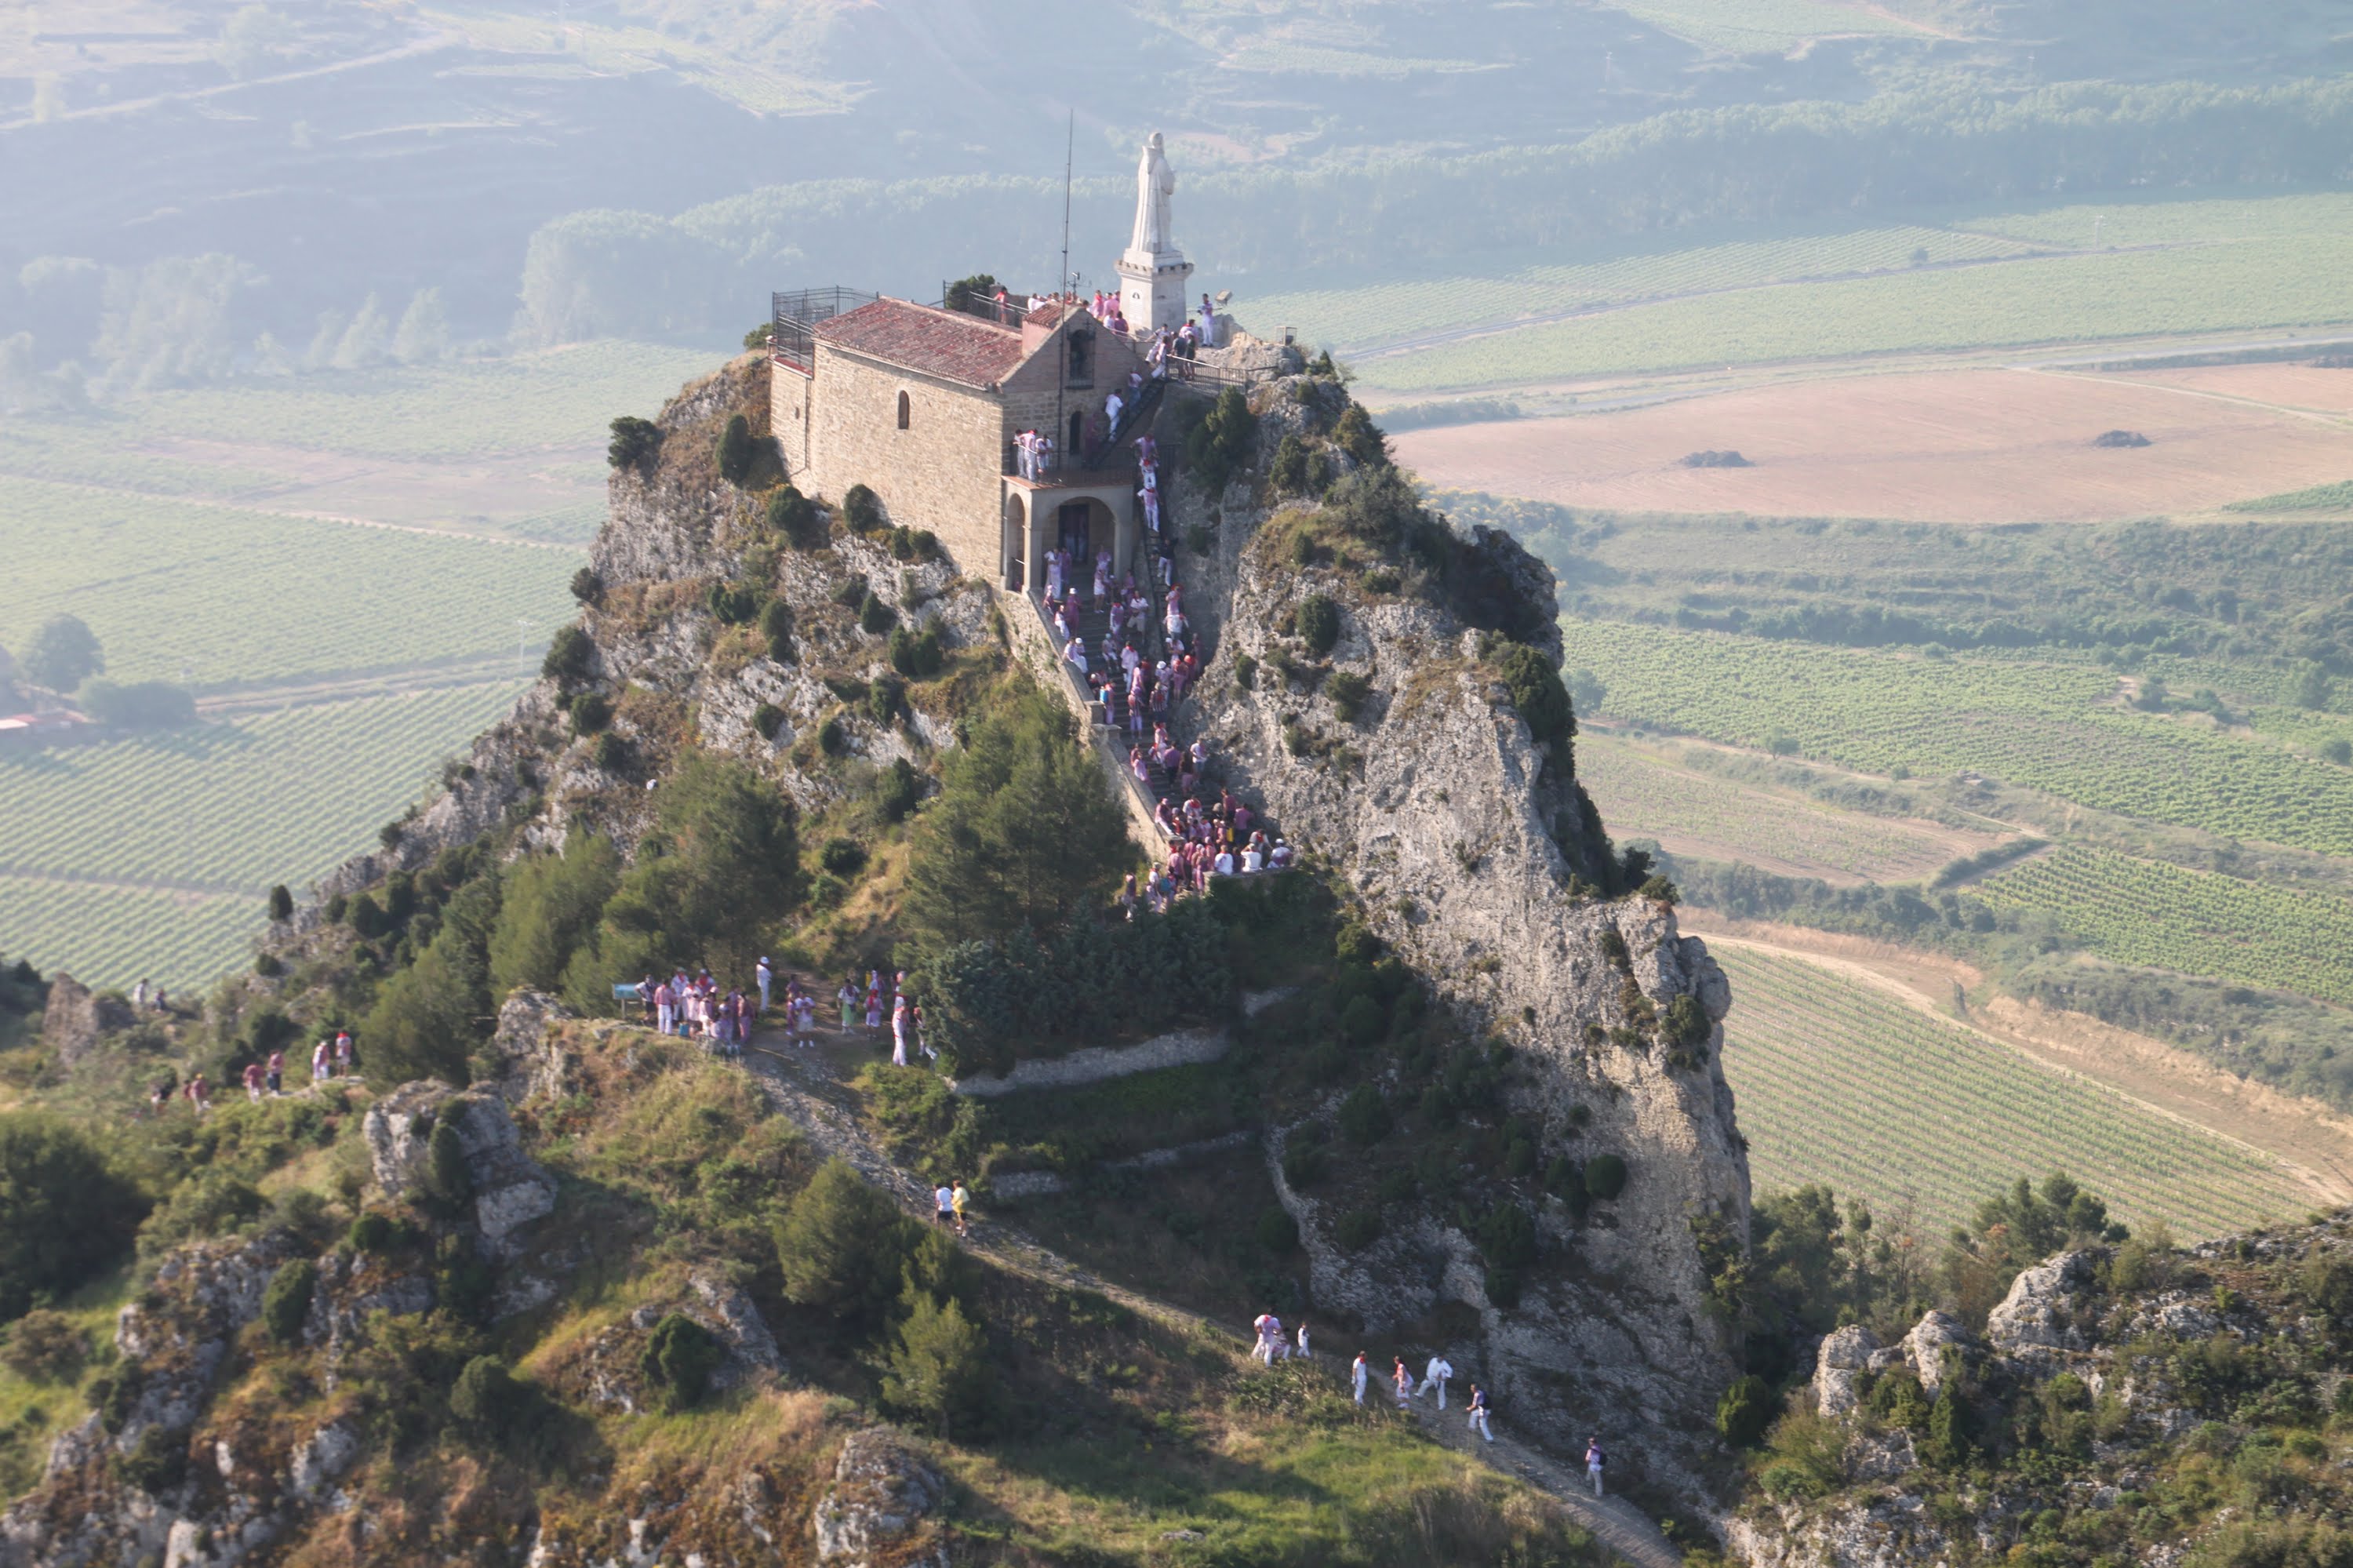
(804, 1091)
(2314, 1141)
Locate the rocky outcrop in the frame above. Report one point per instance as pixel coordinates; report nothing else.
(882, 1496)
(1844, 1356)
(2035, 1315)
(529, 1064)
(1934, 1348)
(78, 1018)
(1461, 834)
(506, 1188)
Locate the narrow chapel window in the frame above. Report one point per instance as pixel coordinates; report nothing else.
(903, 410)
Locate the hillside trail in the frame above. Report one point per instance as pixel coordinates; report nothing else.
(806, 1091)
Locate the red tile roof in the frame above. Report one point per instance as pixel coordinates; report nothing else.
(946, 343)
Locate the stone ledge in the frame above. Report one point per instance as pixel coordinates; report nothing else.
(1100, 1063)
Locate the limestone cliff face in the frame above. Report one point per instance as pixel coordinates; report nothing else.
(1460, 835)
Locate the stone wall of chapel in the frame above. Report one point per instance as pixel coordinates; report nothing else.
(1030, 393)
(941, 472)
(788, 421)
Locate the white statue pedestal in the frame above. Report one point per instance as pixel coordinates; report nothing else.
(1152, 288)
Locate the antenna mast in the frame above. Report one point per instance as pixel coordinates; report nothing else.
(1062, 376)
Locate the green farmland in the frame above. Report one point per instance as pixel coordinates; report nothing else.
(1838, 1083)
(119, 856)
(1937, 282)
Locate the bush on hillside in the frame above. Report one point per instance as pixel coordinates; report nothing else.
(430, 1016)
(795, 518)
(1744, 1411)
(1356, 435)
(897, 789)
(732, 604)
(1537, 692)
(678, 1359)
(1358, 1229)
(212, 1203)
(635, 443)
(1365, 1116)
(285, 1302)
(1219, 447)
(766, 719)
(730, 876)
(776, 628)
(937, 1370)
(734, 449)
(571, 657)
(916, 655)
(281, 903)
(842, 856)
(591, 712)
(842, 1245)
(1605, 1176)
(486, 1397)
(1318, 619)
(1024, 832)
(1348, 690)
(988, 1002)
(69, 1214)
(874, 617)
(862, 510)
(588, 587)
(42, 1346)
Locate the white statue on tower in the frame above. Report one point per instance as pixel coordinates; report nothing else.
(1152, 270)
(1155, 182)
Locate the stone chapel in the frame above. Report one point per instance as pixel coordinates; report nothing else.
(921, 403)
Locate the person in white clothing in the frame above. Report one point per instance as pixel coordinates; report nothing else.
(1360, 1374)
(1434, 1375)
(1302, 1352)
(767, 977)
(1111, 406)
(944, 1207)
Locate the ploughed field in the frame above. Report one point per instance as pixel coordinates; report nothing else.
(1967, 446)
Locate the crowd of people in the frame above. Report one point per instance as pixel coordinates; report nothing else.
(335, 1056)
(693, 1008)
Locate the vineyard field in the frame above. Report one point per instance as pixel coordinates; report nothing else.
(1840, 1085)
(1362, 318)
(226, 807)
(2039, 726)
(2145, 911)
(1359, 318)
(214, 596)
(107, 935)
(1642, 795)
(2051, 299)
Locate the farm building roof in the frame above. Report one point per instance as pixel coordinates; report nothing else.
(949, 344)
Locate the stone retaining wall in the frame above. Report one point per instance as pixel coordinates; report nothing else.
(1099, 1065)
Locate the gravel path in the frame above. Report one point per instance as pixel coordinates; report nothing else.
(808, 1095)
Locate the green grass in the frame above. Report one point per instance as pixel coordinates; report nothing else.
(2337, 497)
(1841, 1084)
(31, 1414)
(1750, 26)
(226, 809)
(2037, 725)
(217, 596)
(1640, 795)
(2145, 911)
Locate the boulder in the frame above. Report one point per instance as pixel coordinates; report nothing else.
(520, 1042)
(78, 1018)
(324, 1455)
(727, 1312)
(2034, 1316)
(1927, 1347)
(1844, 1353)
(882, 1492)
(510, 1189)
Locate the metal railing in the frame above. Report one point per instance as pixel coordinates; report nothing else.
(794, 319)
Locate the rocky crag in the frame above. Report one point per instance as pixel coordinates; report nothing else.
(2122, 1404)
